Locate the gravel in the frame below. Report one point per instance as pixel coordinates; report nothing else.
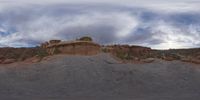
(99, 77)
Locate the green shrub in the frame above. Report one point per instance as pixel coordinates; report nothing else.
(123, 55)
(42, 53)
(56, 51)
(104, 50)
(86, 38)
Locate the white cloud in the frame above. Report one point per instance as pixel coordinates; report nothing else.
(174, 37)
(174, 7)
(127, 25)
(2, 30)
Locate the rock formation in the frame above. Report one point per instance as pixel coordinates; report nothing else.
(127, 52)
(82, 46)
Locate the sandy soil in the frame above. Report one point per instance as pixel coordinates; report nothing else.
(99, 77)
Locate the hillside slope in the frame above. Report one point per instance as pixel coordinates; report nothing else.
(99, 77)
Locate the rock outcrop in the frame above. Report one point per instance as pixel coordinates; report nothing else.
(126, 51)
(82, 46)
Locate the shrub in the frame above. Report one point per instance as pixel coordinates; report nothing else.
(104, 50)
(124, 55)
(42, 53)
(56, 51)
(85, 38)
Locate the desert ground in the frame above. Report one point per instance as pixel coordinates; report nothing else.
(99, 77)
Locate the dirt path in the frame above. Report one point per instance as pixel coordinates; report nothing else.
(99, 78)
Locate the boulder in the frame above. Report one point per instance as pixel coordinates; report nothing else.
(195, 61)
(184, 59)
(9, 61)
(169, 58)
(1, 61)
(148, 60)
(46, 58)
(34, 59)
(198, 57)
(136, 59)
(2, 57)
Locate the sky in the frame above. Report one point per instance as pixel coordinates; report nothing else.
(159, 24)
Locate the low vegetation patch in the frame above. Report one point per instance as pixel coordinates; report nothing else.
(21, 54)
(124, 55)
(42, 53)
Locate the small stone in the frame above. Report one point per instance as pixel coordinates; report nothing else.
(148, 60)
(185, 59)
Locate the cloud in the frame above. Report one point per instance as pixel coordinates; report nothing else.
(173, 36)
(107, 24)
